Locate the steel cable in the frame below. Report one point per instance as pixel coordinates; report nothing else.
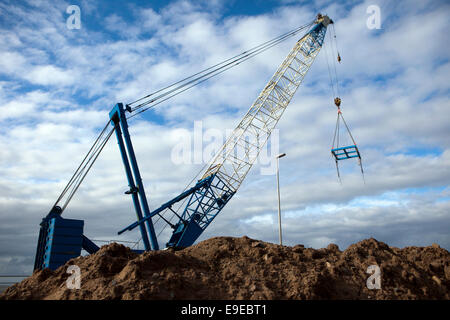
(215, 70)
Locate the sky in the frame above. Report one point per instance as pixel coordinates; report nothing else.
(57, 86)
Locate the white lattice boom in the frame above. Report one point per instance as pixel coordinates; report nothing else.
(241, 150)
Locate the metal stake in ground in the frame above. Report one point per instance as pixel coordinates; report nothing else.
(279, 203)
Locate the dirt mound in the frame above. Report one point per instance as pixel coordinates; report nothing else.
(243, 268)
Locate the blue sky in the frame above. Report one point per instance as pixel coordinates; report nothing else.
(58, 85)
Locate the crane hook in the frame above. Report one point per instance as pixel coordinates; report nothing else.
(337, 102)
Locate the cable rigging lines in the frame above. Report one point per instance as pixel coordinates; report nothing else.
(151, 100)
(338, 150)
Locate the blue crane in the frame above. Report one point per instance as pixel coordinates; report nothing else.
(61, 239)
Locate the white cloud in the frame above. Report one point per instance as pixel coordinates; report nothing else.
(49, 75)
(11, 62)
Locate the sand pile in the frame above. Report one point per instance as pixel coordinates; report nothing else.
(243, 268)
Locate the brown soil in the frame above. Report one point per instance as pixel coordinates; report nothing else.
(243, 268)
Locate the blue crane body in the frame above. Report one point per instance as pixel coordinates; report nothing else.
(61, 239)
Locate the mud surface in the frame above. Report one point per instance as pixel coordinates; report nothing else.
(243, 268)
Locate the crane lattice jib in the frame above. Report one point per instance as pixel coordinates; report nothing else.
(232, 163)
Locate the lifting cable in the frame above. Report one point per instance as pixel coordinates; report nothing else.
(327, 54)
(83, 169)
(338, 58)
(346, 151)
